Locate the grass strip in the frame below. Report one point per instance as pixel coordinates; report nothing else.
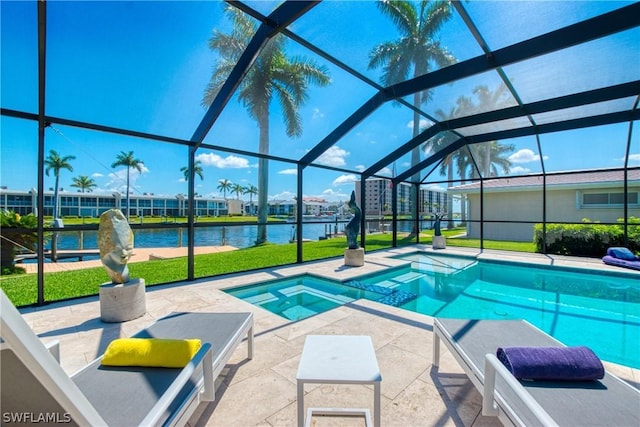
(22, 289)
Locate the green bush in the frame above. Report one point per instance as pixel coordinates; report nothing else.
(586, 239)
(17, 232)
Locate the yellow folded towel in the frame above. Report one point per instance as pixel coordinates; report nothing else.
(151, 352)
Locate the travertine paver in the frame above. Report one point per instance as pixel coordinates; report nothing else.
(262, 392)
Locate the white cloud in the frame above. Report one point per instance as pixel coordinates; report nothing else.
(285, 195)
(524, 155)
(97, 175)
(360, 168)
(332, 196)
(229, 162)
(519, 169)
(634, 158)
(334, 156)
(345, 179)
(317, 114)
(288, 172)
(435, 187)
(424, 124)
(384, 172)
(118, 179)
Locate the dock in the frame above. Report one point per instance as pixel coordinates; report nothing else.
(61, 254)
(139, 255)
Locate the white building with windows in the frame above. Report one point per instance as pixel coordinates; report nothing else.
(379, 193)
(80, 204)
(512, 206)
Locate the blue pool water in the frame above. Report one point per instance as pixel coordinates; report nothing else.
(601, 311)
(299, 297)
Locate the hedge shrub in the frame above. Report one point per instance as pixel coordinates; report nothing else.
(588, 238)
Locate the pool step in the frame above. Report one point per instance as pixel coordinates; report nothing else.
(398, 298)
(369, 287)
(393, 297)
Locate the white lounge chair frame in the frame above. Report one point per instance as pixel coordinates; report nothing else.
(608, 402)
(18, 337)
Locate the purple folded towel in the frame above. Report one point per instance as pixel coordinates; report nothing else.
(552, 363)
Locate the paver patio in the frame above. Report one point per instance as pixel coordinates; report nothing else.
(262, 392)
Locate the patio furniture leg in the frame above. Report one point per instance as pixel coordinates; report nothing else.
(376, 404)
(436, 350)
(300, 404)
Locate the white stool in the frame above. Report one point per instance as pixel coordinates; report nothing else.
(339, 359)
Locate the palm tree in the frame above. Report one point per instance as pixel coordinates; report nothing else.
(56, 163)
(446, 167)
(224, 186)
(416, 50)
(251, 190)
(197, 170)
(238, 189)
(489, 154)
(84, 183)
(272, 75)
(486, 156)
(127, 159)
(491, 157)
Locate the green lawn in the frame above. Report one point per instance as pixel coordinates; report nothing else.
(22, 289)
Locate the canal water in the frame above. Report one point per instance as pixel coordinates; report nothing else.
(240, 236)
(237, 236)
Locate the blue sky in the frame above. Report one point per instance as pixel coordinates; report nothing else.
(143, 66)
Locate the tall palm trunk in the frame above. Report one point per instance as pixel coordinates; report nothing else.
(487, 159)
(263, 177)
(463, 210)
(449, 198)
(415, 159)
(128, 191)
(55, 197)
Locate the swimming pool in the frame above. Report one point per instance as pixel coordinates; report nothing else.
(298, 297)
(601, 311)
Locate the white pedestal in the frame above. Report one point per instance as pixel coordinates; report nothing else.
(123, 301)
(338, 359)
(439, 242)
(354, 257)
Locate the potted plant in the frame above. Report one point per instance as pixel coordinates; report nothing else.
(17, 232)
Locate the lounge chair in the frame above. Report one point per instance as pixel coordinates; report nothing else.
(621, 257)
(35, 388)
(473, 343)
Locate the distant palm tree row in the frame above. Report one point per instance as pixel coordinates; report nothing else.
(55, 163)
(225, 185)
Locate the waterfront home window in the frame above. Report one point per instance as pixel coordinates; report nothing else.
(68, 201)
(87, 201)
(106, 202)
(608, 199)
(13, 200)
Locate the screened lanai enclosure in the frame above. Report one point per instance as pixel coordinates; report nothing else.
(248, 125)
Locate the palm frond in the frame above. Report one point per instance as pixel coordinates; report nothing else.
(401, 13)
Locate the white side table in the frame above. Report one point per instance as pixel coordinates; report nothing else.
(338, 359)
